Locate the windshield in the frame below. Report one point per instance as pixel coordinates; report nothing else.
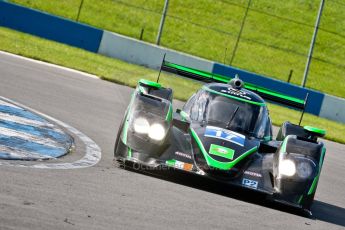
(210, 108)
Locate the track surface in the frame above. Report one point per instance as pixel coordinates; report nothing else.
(107, 197)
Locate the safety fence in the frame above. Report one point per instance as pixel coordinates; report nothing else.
(142, 53)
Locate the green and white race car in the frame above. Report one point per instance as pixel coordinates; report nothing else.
(224, 133)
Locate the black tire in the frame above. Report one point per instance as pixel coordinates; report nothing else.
(118, 136)
(308, 201)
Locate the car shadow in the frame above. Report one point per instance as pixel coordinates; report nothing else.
(328, 213)
(321, 211)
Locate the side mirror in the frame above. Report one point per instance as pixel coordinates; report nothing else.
(182, 125)
(313, 133)
(179, 123)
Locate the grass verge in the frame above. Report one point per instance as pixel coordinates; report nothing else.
(275, 38)
(127, 74)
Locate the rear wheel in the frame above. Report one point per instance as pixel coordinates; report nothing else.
(118, 161)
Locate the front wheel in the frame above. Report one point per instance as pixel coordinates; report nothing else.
(118, 137)
(308, 201)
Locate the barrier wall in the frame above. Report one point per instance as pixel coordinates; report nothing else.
(50, 27)
(142, 53)
(333, 108)
(146, 54)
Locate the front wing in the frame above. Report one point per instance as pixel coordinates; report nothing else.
(255, 178)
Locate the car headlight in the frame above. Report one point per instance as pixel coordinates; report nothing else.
(304, 169)
(287, 168)
(157, 132)
(141, 125)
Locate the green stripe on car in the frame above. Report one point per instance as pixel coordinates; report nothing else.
(217, 164)
(169, 113)
(316, 179)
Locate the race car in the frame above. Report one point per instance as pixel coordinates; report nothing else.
(223, 132)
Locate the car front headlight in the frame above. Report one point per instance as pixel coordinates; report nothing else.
(157, 132)
(141, 125)
(287, 168)
(304, 169)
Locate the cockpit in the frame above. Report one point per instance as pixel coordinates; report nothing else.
(226, 110)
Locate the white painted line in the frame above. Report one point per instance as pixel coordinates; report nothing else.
(25, 121)
(23, 154)
(8, 104)
(50, 65)
(29, 137)
(93, 151)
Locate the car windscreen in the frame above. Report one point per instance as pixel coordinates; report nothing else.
(228, 112)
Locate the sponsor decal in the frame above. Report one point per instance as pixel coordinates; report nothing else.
(185, 155)
(179, 165)
(225, 134)
(236, 92)
(251, 173)
(222, 151)
(250, 183)
(187, 167)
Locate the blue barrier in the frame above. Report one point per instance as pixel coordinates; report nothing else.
(50, 27)
(315, 98)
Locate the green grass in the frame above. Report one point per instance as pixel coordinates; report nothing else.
(128, 74)
(275, 38)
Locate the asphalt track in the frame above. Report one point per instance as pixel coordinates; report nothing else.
(107, 197)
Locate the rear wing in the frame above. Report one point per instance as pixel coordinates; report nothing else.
(206, 77)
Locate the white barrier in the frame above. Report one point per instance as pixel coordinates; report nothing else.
(149, 55)
(333, 108)
(146, 54)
